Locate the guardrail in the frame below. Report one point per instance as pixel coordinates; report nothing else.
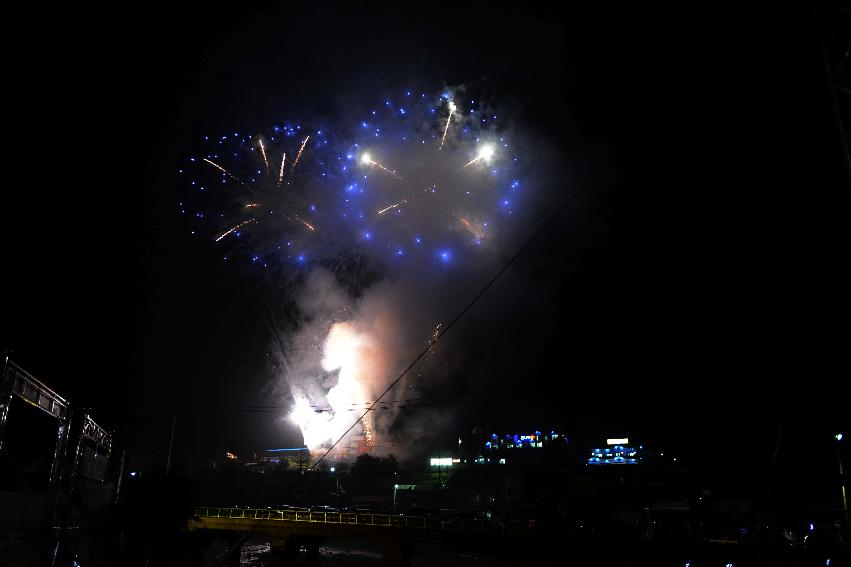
(348, 518)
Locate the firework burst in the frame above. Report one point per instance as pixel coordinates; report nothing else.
(349, 212)
(428, 201)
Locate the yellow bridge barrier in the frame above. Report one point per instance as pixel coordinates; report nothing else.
(269, 515)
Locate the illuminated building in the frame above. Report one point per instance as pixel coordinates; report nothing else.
(535, 440)
(500, 449)
(619, 452)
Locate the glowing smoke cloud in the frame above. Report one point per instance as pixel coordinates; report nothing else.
(351, 353)
(359, 352)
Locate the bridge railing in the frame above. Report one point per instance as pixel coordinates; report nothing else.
(347, 518)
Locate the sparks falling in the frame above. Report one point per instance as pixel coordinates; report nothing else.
(226, 172)
(448, 120)
(263, 152)
(281, 173)
(298, 155)
(234, 229)
(477, 231)
(435, 334)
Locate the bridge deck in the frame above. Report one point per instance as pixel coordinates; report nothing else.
(283, 523)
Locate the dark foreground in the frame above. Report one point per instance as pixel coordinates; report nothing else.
(363, 554)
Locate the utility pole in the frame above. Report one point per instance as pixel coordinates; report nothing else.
(5, 395)
(120, 475)
(771, 479)
(337, 490)
(838, 438)
(171, 442)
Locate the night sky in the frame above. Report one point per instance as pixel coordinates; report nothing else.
(697, 287)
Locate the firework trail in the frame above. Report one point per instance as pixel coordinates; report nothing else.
(448, 120)
(263, 152)
(367, 160)
(234, 228)
(385, 209)
(298, 155)
(228, 173)
(281, 173)
(485, 153)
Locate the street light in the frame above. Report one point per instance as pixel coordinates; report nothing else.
(395, 488)
(838, 438)
(337, 491)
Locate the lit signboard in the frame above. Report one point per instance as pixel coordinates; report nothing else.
(617, 441)
(441, 461)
